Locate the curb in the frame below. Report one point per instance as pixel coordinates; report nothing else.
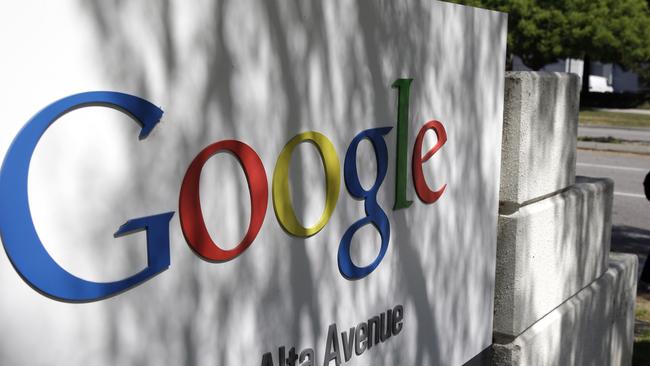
(624, 148)
(608, 127)
(640, 112)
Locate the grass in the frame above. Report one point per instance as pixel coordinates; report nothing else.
(641, 354)
(594, 117)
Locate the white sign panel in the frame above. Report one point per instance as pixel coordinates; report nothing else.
(321, 189)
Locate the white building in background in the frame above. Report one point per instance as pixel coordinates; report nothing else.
(616, 77)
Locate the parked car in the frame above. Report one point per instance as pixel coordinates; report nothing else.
(598, 84)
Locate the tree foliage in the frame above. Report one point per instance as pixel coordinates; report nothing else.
(543, 31)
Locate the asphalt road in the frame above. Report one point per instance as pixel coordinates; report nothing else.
(628, 171)
(631, 134)
(631, 211)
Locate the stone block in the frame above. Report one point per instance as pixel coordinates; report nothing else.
(538, 155)
(594, 327)
(548, 251)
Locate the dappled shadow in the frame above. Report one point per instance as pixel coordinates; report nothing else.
(547, 229)
(261, 72)
(554, 244)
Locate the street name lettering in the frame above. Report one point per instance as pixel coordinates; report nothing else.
(341, 347)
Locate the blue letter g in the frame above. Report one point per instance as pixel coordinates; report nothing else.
(21, 242)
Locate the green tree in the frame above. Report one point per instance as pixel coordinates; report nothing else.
(543, 31)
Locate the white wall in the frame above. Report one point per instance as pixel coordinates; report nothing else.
(259, 71)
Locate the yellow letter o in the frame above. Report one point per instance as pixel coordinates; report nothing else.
(281, 195)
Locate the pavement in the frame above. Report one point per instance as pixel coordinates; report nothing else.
(623, 133)
(630, 111)
(627, 163)
(628, 171)
(632, 139)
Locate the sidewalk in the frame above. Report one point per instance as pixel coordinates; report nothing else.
(623, 147)
(630, 111)
(635, 140)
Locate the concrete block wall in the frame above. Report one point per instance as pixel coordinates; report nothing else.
(549, 250)
(592, 327)
(560, 297)
(539, 136)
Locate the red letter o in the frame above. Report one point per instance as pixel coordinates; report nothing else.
(192, 222)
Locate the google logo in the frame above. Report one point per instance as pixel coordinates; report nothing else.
(32, 261)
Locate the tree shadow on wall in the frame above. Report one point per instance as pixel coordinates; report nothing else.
(282, 43)
(632, 240)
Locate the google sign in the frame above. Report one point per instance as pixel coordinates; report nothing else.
(32, 261)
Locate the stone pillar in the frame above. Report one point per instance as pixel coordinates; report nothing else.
(560, 297)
